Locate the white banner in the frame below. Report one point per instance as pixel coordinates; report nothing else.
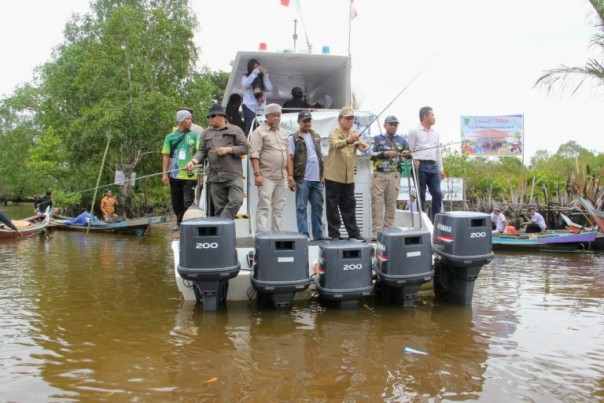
(120, 178)
(452, 189)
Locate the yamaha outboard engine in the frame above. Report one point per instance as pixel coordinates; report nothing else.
(403, 263)
(280, 267)
(462, 244)
(344, 272)
(208, 258)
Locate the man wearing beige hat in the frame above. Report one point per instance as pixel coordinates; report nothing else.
(269, 150)
(344, 141)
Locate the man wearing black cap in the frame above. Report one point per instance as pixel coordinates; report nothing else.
(305, 175)
(387, 152)
(297, 102)
(222, 145)
(179, 146)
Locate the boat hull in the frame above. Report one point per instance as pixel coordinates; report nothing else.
(37, 225)
(551, 241)
(137, 226)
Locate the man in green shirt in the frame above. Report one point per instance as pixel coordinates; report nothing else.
(178, 149)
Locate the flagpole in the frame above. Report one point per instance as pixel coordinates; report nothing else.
(349, 25)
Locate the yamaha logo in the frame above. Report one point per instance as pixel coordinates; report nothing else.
(206, 245)
(444, 228)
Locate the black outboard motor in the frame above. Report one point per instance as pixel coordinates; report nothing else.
(344, 272)
(462, 244)
(280, 267)
(208, 257)
(403, 263)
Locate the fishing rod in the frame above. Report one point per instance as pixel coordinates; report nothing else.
(112, 184)
(419, 73)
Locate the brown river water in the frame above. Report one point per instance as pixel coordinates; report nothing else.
(99, 318)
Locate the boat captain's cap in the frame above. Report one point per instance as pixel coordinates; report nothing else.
(304, 115)
(182, 114)
(297, 92)
(496, 208)
(216, 109)
(391, 119)
(272, 108)
(346, 112)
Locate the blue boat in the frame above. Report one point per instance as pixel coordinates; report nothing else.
(548, 241)
(136, 226)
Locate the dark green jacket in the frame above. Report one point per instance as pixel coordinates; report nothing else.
(300, 154)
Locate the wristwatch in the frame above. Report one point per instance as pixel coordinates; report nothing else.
(256, 173)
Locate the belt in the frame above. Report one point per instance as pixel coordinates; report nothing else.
(429, 162)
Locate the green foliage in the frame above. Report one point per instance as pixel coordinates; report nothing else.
(118, 78)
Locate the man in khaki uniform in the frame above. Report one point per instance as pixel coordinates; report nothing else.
(269, 154)
(387, 151)
(344, 142)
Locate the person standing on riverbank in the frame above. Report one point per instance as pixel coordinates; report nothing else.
(425, 145)
(344, 141)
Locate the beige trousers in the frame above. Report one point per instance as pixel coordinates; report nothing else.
(385, 187)
(271, 198)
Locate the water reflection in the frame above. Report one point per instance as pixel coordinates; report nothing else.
(100, 318)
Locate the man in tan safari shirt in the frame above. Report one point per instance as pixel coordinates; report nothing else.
(344, 141)
(269, 149)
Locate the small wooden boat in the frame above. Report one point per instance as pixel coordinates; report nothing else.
(136, 226)
(28, 226)
(548, 241)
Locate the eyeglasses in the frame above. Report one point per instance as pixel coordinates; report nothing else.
(348, 117)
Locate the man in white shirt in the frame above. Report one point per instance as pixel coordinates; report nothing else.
(498, 219)
(536, 223)
(425, 145)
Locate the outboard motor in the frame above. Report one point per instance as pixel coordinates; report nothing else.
(403, 263)
(208, 257)
(344, 272)
(462, 244)
(280, 267)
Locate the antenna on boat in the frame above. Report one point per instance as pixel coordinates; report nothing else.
(295, 37)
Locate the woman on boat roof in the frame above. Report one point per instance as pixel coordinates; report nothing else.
(256, 85)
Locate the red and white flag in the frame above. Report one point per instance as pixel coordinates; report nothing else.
(293, 3)
(353, 11)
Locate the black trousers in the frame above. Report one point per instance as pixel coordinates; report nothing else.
(533, 229)
(339, 199)
(182, 192)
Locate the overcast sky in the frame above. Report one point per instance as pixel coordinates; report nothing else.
(485, 55)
